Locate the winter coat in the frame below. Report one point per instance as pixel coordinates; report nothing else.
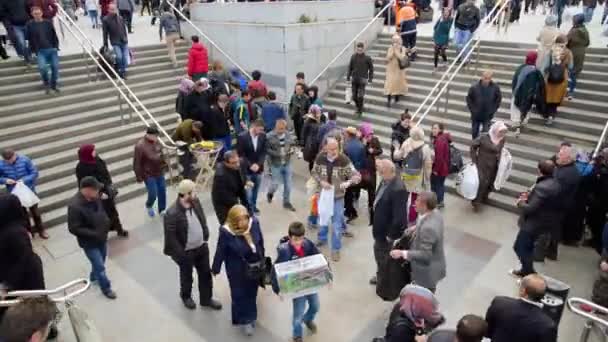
(23, 169)
(99, 170)
(125, 5)
(16, 12)
(176, 228)
(184, 133)
(240, 115)
(396, 79)
(399, 135)
(530, 91)
(249, 155)
(426, 255)
(228, 189)
(441, 32)
(399, 328)
(361, 66)
(286, 252)
(390, 213)
(310, 132)
(88, 221)
(257, 88)
(569, 180)
(555, 93)
(467, 17)
(198, 59)
(180, 104)
(342, 170)
(198, 105)
(298, 106)
(441, 161)
(484, 101)
(486, 156)
(542, 211)
(271, 112)
(114, 30)
(355, 151)
(215, 124)
(370, 159)
(276, 157)
(578, 41)
(147, 159)
(545, 39)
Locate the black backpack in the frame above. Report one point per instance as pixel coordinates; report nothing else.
(456, 159)
(556, 73)
(414, 162)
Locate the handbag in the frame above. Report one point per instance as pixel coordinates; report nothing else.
(404, 62)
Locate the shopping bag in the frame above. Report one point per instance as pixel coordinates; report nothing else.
(467, 182)
(26, 196)
(347, 94)
(83, 327)
(326, 206)
(505, 164)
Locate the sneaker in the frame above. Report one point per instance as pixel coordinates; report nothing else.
(373, 280)
(297, 339)
(123, 233)
(189, 303)
(248, 329)
(56, 90)
(549, 121)
(335, 256)
(162, 212)
(517, 273)
(150, 212)
(441, 205)
(348, 234)
(110, 294)
(289, 207)
(256, 211)
(570, 96)
(311, 326)
(269, 197)
(212, 304)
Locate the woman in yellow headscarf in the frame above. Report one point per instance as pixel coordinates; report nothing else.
(241, 246)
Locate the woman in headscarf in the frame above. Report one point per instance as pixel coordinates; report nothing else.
(528, 88)
(90, 164)
(485, 153)
(373, 149)
(578, 41)
(185, 88)
(415, 314)
(560, 58)
(241, 246)
(417, 167)
(546, 38)
(20, 266)
(395, 84)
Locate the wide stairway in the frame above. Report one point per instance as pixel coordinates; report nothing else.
(50, 128)
(579, 121)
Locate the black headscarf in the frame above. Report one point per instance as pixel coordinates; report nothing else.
(11, 211)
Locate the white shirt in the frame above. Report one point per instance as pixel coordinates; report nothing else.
(254, 141)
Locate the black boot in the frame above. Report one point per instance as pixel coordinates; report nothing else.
(396, 98)
(388, 101)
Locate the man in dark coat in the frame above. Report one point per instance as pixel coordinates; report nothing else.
(228, 186)
(390, 213)
(540, 212)
(483, 100)
(298, 107)
(521, 319)
(361, 70)
(186, 242)
(598, 206)
(251, 146)
(198, 103)
(88, 221)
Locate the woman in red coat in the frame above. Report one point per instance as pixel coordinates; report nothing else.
(441, 164)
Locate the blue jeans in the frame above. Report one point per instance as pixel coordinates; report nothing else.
(524, 248)
(20, 45)
(559, 10)
(97, 258)
(122, 53)
(156, 188)
(337, 223)
(461, 37)
(588, 13)
(94, 17)
(438, 187)
(301, 315)
(252, 194)
(572, 81)
(281, 173)
(46, 58)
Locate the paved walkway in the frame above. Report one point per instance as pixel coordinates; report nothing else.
(478, 249)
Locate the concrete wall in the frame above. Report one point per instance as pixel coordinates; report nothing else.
(280, 48)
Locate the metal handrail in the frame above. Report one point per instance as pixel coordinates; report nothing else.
(477, 38)
(602, 138)
(85, 39)
(574, 301)
(83, 283)
(181, 14)
(347, 46)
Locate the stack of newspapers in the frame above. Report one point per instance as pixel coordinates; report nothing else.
(303, 276)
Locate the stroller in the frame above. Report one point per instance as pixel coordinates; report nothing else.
(110, 57)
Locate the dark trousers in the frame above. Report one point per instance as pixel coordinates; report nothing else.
(409, 40)
(381, 254)
(195, 259)
(524, 248)
(127, 16)
(35, 214)
(476, 124)
(438, 187)
(440, 50)
(358, 87)
(145, 4)
(353, 192)
(32, 278)
(109, 205)
(298, 124)
(186, 161)
(530, 4)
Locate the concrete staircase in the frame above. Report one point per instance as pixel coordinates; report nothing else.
(50, 128)
(580, 121)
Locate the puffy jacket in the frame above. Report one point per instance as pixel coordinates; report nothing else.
(23, 169)
(198, 60)
(468, 17)
(88, 221)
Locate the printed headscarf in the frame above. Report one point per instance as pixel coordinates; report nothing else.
(232, 223)
(497, 127)
(186, 85)
(419, 305)
(366, 129)
(85, 154)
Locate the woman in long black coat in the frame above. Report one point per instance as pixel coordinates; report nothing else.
(90, 164)
(240, 245)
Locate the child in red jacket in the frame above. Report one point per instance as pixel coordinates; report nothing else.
(198, 60)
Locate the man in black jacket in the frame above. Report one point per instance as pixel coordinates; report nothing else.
(115, 32)
(390, 214)
(483, 100)
(44, 43)
(540, 212)
(88, 221)
(198, 105)
(521, 319)
(361, 70)
(228, 186)
(251, 146)
(14, 14)
(186, 242)
(465, 24)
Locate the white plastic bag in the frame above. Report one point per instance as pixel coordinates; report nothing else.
(326, 206)
(505, 164)
(570, 12)
(347, 94)
(467, 182)
(26, 196)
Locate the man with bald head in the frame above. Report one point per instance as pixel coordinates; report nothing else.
(522, 319)
(483, 100)
(333, 170)
(390, 213)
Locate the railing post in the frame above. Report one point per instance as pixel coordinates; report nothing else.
(477, 55)
(86, 64)
(447, 100)
(122, 117)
